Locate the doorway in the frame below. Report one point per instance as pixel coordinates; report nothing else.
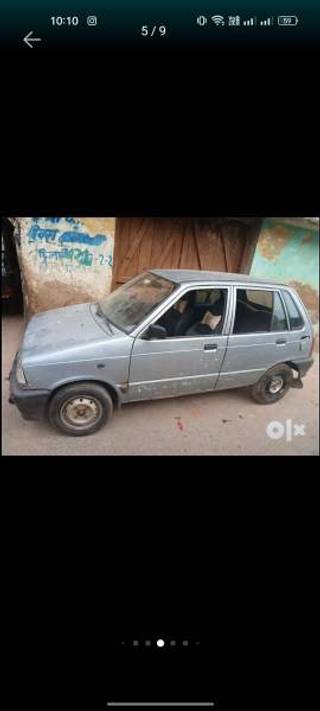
(213, 244)
(11, 286)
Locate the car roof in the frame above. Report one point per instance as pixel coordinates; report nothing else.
(187, 276)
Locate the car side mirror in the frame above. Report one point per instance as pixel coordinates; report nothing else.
(155, 331)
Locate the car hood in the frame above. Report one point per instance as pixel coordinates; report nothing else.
(51, 334)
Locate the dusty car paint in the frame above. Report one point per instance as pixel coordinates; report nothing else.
(71, 344)
(74, 344)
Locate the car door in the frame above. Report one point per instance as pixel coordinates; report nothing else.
(299, 338)
(263, 339)
(177, 365)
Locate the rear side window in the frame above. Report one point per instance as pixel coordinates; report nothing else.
(279, 320)
(295, 318)
(258, 311)
(259, 298)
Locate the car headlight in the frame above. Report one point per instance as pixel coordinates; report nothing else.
(21, 378)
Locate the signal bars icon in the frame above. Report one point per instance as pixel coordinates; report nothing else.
(250, 23)
(267, 23)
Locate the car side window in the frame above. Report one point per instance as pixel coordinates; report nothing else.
(295, 318)
(279, 319)
(199, 312)
(259, 298)
(259, 311)
(201, 296)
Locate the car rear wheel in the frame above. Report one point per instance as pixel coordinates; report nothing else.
(273, 385)
(80, 409)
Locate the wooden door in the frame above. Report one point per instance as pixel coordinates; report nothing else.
(181, 243)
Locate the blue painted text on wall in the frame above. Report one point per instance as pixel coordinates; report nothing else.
(38, 234)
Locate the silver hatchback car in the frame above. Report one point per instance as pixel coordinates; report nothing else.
(164, 333)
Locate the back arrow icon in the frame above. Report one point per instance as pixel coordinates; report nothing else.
(28, 39)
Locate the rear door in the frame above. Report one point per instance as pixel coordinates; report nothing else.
(300, 327)
(260, 337)
(177, 365)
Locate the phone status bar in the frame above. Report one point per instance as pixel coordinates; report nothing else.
(33, 32)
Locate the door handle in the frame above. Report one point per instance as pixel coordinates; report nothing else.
(281, 341)
(210, 346)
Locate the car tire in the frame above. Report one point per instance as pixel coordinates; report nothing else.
(80, 409)
(273, 385)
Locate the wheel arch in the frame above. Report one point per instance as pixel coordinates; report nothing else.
(289, 363)
(292, 365)
(295, 380)
(111, 389)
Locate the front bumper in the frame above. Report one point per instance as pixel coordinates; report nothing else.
(31, 403)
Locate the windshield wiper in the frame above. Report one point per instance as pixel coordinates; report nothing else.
(100, 313)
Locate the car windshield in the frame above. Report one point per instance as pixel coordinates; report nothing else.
(128, 306)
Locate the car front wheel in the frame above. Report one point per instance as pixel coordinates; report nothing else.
(273, 385)
(80, 409)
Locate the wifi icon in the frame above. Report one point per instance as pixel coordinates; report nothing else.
(218, 19)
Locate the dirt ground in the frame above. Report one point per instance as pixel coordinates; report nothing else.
(228, 422)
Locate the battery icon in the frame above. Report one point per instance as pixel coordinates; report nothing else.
(287, 20)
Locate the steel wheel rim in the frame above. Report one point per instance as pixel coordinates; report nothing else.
(81, 412)
(276, 384)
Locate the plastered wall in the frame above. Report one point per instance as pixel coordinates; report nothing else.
(64, 260)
